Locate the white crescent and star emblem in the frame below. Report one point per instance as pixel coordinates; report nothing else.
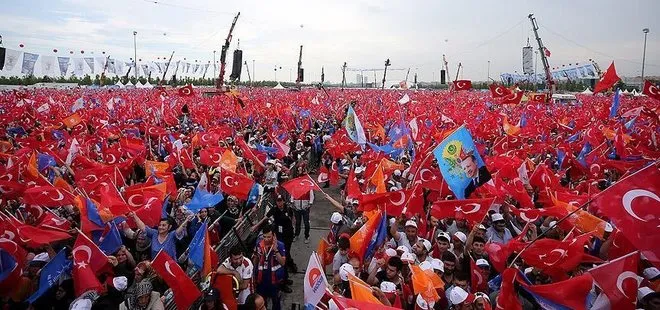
(10, 241)
(217, 161)
(167, 267)
(460, 84)
(91, 178)
(479, 276)
(527, 219)
(475, 207)
(631, 195)
(60, 196)
(130, 200)
(653, 90)
(233, 183)
(306, 183)
(402, 199)
(623, 276)
(498, 90)
(114, 159)
(8, 235)
(82, 263)
(562, 253)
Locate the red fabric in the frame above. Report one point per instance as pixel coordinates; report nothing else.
(618, 280)
(186, 91)
(235, 184)
(47, 196)
(300, 185)
(508, 298)
(608, 79)
(478, 278)
(498, 91)
(555, 257)
(41, 236)
(531, 215)
(651, 90)
(633, 206)
(87, 260)
(571, 293)
(462, 85)
(514, 98)
(184, 289)
(473, 210)
(538, 97)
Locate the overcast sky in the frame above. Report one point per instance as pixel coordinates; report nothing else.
(413, 34)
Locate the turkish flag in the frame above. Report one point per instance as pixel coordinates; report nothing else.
(532, 214)
(498, 91)
(611, 278)
(88, 259)
(186, 91)
(11, 189)
(473, 210)
(52, 220)
(150, 213)
(478, 278)
(47, 196)
(607, 80)
(556, 257)
(211, 156)
(519, 193)
(300, 186)
(462, 85)
(513, 98)
(138, 195)
(571, 293)
(352, 186)
(651, 90)
(235, 184)
(184, 289)
(538, 97)
(543, 178)
(633, 206)
(508, 298)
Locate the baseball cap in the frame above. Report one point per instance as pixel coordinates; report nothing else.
(443, 235)
(460, 236)
(387, 287)
(40, 258)
(411, 223)
(408, 258)
(82, 304)
(120, 283)
(425, 265)
(402, 249)
(390, 252)
(427, 245)
(496, 217)
(645, 292)
(651, 273)
(482, 295)
(335, 218)
(608, 227)
(422, 304)
(482, 262)
(397, 172)
(458, 296)
(437, 264)
(344, 270)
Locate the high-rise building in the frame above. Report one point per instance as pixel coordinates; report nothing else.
(358, 79)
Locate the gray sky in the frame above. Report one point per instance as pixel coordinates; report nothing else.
(413, 34)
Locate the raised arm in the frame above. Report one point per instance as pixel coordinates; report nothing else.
(334, 203)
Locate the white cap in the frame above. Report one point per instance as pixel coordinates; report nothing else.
(397, 172)
(482, 262)
(335, 218)
(608, 227)
(421, 303)
(425, 265)
(41, 257)
(437, 264)
(120, 283)
(458, 295)
(408, 258)
(496, 217)
(643, 292)
(460, 236)
(390, 252)
(651, 273)
(411, 223)
(481, 226)
(387, 287)
(443, 235)
(344, 270)
(402, 248)
(392, 221)
(427, 245)
(82, 304)
(359, 169)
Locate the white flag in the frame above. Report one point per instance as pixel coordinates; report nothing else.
(413, 127)
(405, 99)
(43, 108)
(73, 150)
(315, 283)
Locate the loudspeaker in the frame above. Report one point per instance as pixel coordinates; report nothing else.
(301, 75)
(237, 65)
(443, 80)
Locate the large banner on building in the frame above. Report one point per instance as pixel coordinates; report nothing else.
(528, 60)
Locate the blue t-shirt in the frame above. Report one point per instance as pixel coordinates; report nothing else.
(169, 245)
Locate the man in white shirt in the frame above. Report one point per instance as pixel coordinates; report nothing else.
(240, 267)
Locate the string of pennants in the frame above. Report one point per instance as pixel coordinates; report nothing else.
(16, 62)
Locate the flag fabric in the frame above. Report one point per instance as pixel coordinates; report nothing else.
(72, 120)
(200, 251)
(51, 273)
(361, 291)
(608, 79)
(614, 108)
(618, 279)
(186, 91)
(633, 207)
(344, 303)
(47, 196)
(422, 284)
(472, 210)
(354, 127)
(325, 256)
(571, 293)
(202, 198)
(86, 255)
(405, 99)
(315, 283)
(508, 298)
(112, 240)
(229, 161)
(300, 186)
(462, 85)
(235, 184)
(184, 289)
(546, 52)
(538, 97)
(9, 272)
(377, 239)
(363, 237)
(41, 235)
(498, 91)
(514, 98)
(95, 258)
(651, 90)
(478, 280)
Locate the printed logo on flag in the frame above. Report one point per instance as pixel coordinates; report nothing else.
(460, 163)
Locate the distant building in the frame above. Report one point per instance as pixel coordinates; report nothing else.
(358, 79)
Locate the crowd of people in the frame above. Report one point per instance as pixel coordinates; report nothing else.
(120, 198)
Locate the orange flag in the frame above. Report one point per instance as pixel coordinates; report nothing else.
(155, 167)
(510, 130)
(361, 238)
(229, 161)
(378, 179)
(422, 284)
(361, 291)
(324, 256)
(72, 120)
(583, 220)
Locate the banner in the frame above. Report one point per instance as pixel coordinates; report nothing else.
(29, 60)
(78, 66)
(90, 63)
(572, 72)
(11, 59)
(315, 283)
(64, 64)
(48, 65)
(460, 163)
(528, 60)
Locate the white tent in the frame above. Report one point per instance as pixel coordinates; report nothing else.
(139, 85)
(625, 92)
(587, 92)
(119, 84)
(148, 85)
(278, 86)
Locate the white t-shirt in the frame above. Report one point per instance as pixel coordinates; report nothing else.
(245, 270)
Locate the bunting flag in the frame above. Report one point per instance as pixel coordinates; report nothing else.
(29, 60)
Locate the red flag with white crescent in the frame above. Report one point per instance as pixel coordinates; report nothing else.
(184, 289)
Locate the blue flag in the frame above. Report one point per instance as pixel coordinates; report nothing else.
(44, 161)
(196, 253)
(561, 155)
(93, 213)
(615, 104)
(203, 199)
(574, 137)
(543, 302)
(581, 158)
(51, 273)
(112, 241)
(378, 238)
(7, 264)
(163, 212)
(254, 194)
(387, 149)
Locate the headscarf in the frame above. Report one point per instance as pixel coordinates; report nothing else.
(138, 289)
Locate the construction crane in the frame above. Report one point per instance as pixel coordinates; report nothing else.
(248, 71)
(300, 69)
(223, 54)
(546, 66)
